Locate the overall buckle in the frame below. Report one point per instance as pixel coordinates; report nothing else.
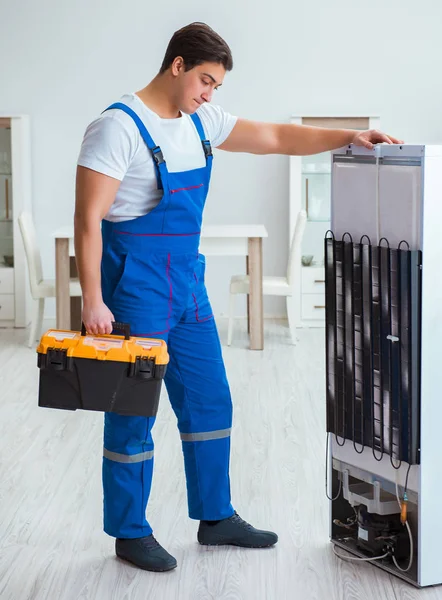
(207, 148)
(157, 155)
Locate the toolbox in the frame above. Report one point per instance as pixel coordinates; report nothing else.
(109, 373)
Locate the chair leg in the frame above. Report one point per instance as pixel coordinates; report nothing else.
(37, 321)
(291, 318)
(34, 320)
(231, 319)
(41, 312)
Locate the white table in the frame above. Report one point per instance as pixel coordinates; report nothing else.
(216, 240)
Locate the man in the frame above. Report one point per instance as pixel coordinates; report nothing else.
(142, 181)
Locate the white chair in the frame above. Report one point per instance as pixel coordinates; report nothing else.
(274, 286)
(40, 288)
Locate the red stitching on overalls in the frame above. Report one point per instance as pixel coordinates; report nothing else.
(157, 234)
(197, 310)
(183, 189)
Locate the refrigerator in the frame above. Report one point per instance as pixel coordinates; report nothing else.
(383, 256)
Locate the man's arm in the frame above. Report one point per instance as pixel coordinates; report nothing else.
(95, 194)
(272, 138)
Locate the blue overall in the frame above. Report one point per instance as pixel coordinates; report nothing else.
(153, 279)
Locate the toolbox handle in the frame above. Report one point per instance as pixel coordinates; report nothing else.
(123, 327)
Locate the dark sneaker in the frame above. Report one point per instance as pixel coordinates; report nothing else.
(236, 532)
(146, 553)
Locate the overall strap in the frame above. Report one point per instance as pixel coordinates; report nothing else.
(205, 142)
(155, 150)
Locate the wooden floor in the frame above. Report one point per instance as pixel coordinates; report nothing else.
(51, 541)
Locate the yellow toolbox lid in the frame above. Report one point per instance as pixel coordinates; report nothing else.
(104, 347)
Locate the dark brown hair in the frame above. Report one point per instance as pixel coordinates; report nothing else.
(197, 43)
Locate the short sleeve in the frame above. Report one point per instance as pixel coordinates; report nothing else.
(108, 146)
(217, 123)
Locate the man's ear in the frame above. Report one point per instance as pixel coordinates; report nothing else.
(177, 66)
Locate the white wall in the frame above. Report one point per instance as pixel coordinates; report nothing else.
(63, 63)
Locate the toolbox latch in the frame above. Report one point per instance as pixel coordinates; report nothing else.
(55, 359)
(143, 368)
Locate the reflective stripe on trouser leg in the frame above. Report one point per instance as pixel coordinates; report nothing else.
(204, 436)
(127, 474)
(199, 393)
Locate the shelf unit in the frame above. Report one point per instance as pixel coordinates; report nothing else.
(310, 189)
(15, 196)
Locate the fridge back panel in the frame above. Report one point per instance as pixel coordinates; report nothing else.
(353, 195)
(377, 195)
(400, 192)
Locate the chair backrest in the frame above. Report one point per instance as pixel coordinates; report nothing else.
(32, 250)
(294, 263)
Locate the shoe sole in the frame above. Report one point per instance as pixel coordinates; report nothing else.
(235, 544)
(152, 570)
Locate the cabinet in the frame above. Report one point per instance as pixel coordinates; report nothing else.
(15, 196)
(310, 190)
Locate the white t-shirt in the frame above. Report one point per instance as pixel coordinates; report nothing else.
(113, 145)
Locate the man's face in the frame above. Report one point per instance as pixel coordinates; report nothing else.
(196, 86)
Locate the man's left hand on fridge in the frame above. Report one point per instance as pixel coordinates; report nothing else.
(371, 137)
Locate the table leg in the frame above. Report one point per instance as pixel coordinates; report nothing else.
(248, 297)
(62, 296)
(75, 300)
(256, 301)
